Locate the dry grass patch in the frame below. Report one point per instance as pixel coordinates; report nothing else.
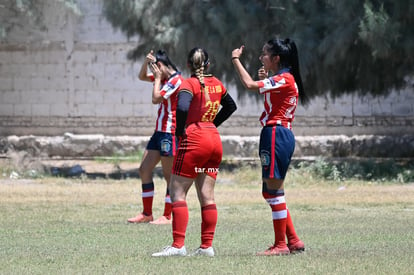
(78, 226)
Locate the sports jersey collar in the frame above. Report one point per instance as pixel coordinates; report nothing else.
(174, 74)
(284, 70)
(206, 75)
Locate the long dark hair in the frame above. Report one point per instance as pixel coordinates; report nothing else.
(162, 57)
(288, 53)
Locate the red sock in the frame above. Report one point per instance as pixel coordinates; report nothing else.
(168, 205)
(179, 222)
(147, 198)
(290, 230)
(208, 225)
(279, 215)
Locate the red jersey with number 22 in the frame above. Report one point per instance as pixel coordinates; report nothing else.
(280, 99)
(204, 107)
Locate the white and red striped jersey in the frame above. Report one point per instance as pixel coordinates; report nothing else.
(280, 99)
(166, 109)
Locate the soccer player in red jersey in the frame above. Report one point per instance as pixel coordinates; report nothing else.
(281, 91)
(199, 152)
(162, 145)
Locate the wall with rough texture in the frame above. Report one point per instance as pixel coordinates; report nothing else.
(90, 146)
(74, 77)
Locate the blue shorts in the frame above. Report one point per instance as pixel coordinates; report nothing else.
(165, 143)
(276, 148)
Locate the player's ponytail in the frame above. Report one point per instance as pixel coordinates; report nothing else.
(198, 61)
(294, 67)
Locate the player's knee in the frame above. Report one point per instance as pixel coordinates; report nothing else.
(144, 172)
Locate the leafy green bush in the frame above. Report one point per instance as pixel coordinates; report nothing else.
(360, 169)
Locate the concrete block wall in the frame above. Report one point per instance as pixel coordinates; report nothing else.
(75, 77)
(88, 82)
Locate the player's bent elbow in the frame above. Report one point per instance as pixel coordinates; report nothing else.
(144, 78)
(156, 100)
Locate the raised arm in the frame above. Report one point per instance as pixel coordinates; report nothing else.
(143, 75)
(245, 77)
(156, 89)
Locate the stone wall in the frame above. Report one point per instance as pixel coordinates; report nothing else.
(74, 77)
(90, 146)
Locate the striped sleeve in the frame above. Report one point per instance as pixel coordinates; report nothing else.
(271, 84)
(170, 87)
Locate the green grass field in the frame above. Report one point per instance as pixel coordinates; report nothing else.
(78, 226)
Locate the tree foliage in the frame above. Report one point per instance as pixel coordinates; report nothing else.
(344, 46)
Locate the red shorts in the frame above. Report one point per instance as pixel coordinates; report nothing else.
(199, 151)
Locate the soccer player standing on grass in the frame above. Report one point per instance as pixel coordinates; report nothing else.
(281, 91)
(199, 152)
(162, 145)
